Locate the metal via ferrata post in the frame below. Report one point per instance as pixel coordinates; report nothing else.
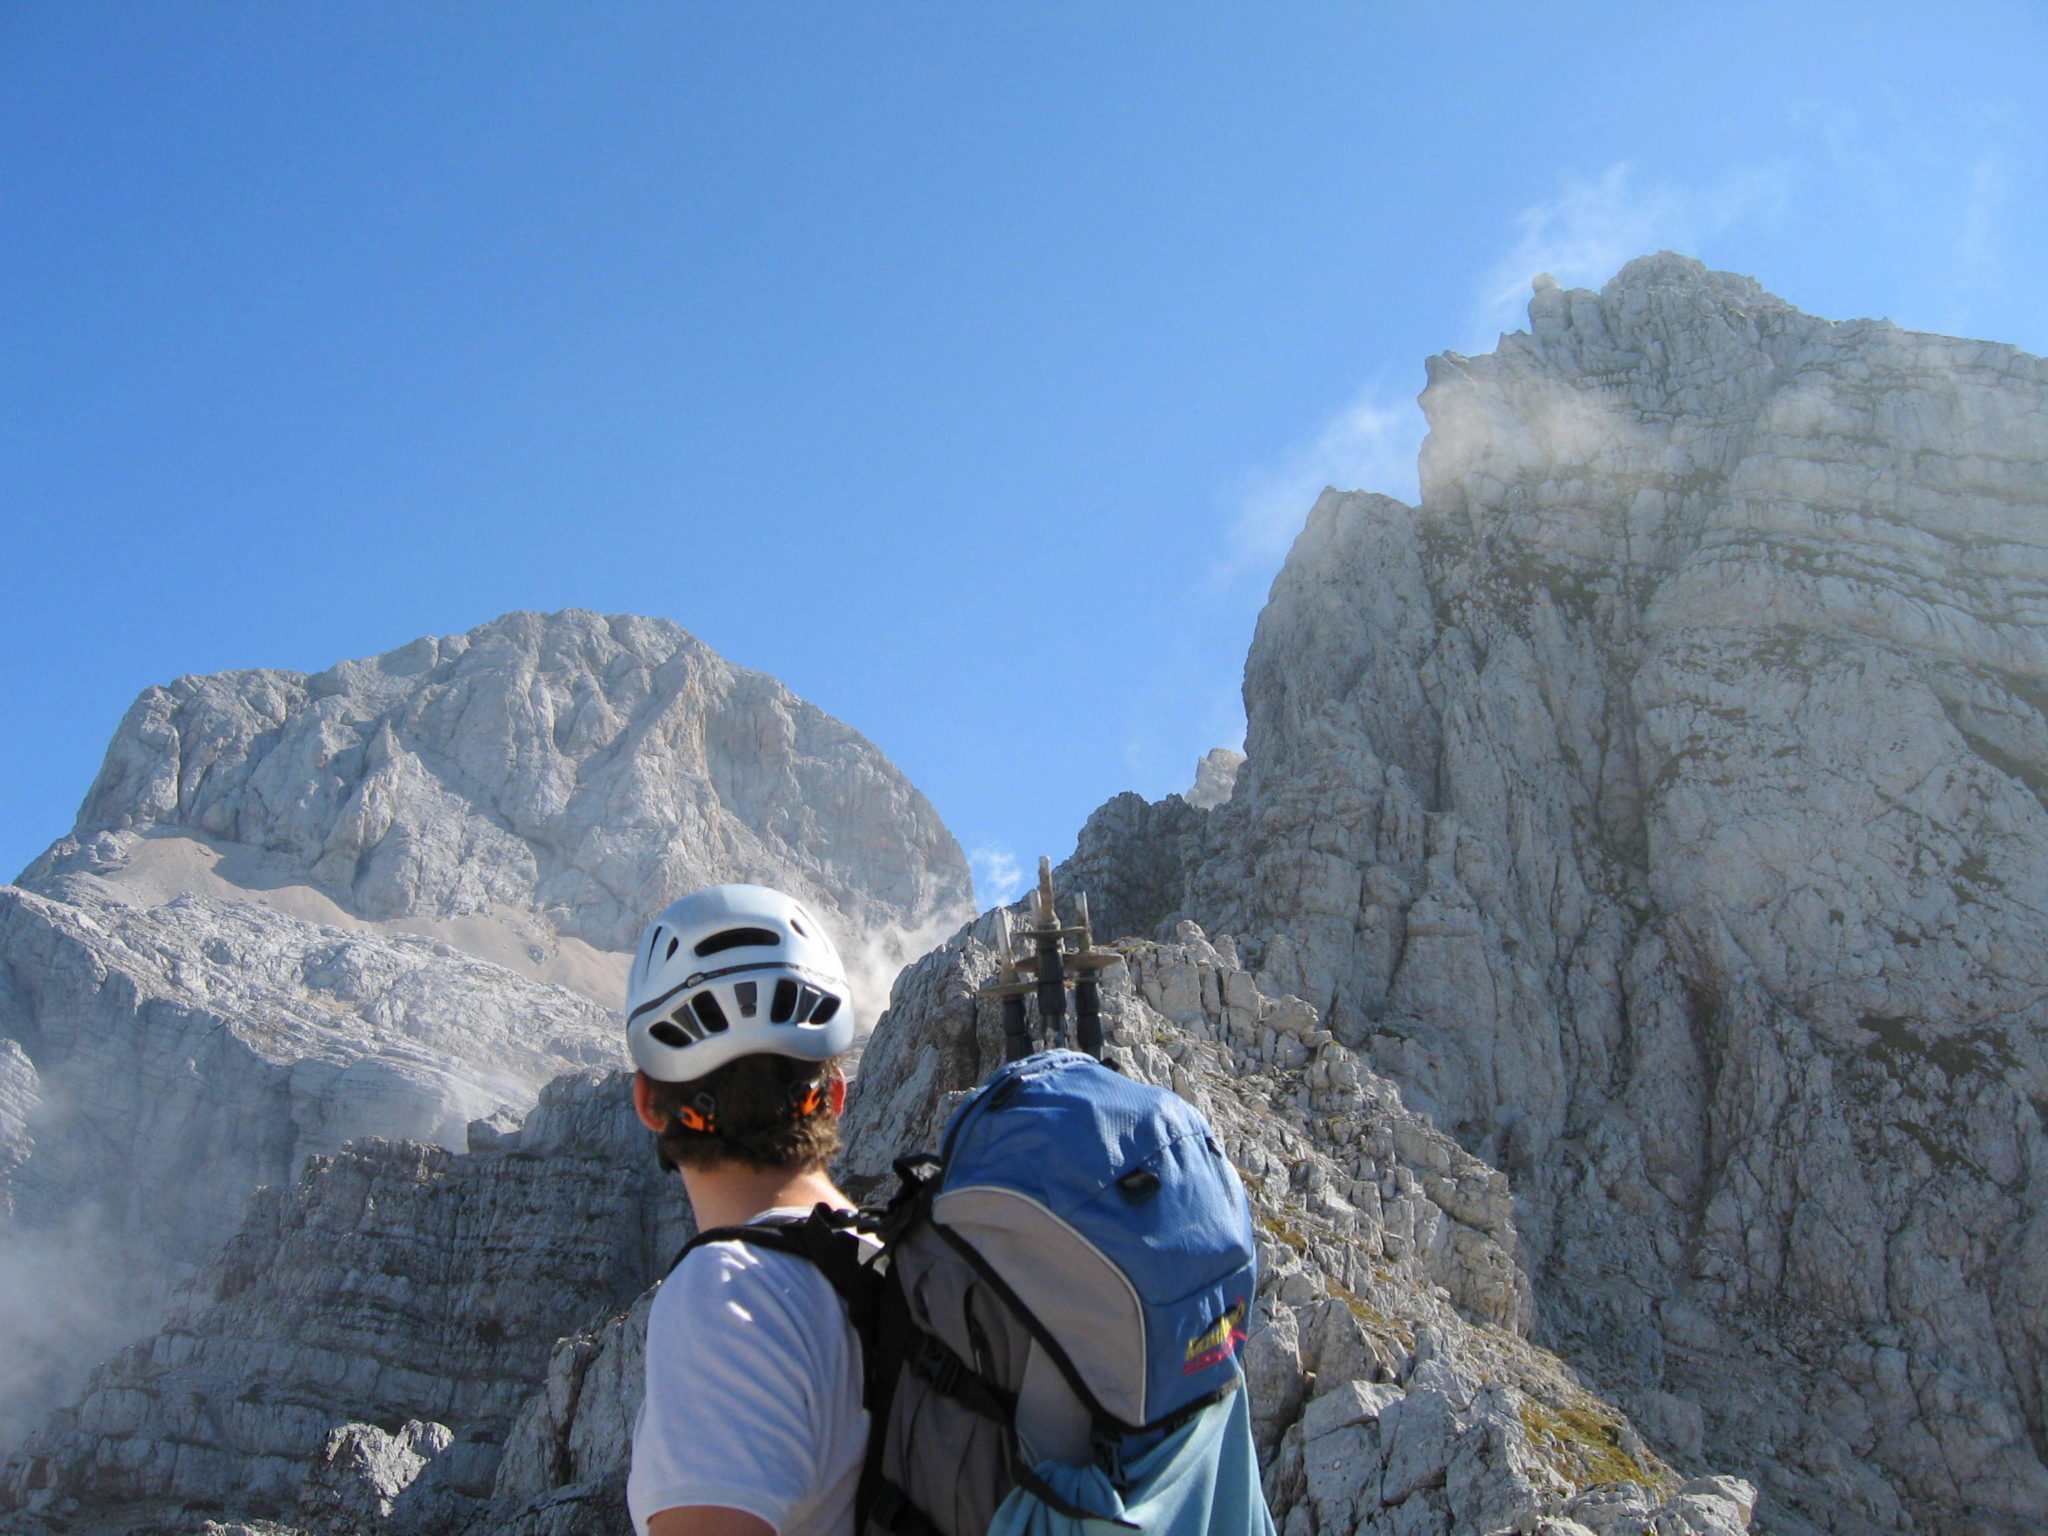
(1041, 961)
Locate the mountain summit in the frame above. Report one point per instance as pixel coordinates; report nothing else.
(386, 900)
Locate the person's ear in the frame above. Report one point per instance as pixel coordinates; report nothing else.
(837, 1089)
(643, 1104)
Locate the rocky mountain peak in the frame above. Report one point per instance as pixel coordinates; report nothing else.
(385, 900)
(1663, 804)
(542, 778)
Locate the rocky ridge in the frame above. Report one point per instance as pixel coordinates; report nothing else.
(1394, 1388)
(1661, 806)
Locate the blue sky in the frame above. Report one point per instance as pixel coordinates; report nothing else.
(967, 367)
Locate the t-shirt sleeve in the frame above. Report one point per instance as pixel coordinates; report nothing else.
(730, 1415)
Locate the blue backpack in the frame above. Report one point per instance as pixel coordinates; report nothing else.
(1050, 1327)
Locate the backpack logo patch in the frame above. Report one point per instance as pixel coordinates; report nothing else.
(1216, 1343)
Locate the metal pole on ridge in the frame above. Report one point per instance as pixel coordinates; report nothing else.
(1038, 961)
(1087, 988)
(1052, 971)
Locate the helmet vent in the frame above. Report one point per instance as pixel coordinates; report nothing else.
(797, 924)
(709, 1014)
(780, 1011)
(807, 999)
(825, 1009)
(668, 1035)
(745, 993)
(672, 943)
(737, 938)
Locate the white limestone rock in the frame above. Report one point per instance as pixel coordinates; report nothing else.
(528, 792)
(1390, 1290)
(18, 1101)
(362, 1470)
(1661, 805)
(386, 900)
(186, 1054)
(494, 1292)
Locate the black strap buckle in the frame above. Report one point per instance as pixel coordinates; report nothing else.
(938, 1365)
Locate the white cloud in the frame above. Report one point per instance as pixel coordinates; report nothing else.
(998, 875)
(1369, 445)
(876, 957)
(1584, 234)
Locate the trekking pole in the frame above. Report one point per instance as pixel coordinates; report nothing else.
(1016, 1033)
(1037, 962)
(1087, 966)
(1051, 967)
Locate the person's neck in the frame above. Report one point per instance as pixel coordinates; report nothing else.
(731, 1196)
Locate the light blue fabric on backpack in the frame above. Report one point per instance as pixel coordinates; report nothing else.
(1201, 1480)
(1112, 1214)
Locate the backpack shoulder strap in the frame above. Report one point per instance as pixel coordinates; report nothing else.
(829, 1240)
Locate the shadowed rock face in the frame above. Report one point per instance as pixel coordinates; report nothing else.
(1661, 805)
(356, 1354)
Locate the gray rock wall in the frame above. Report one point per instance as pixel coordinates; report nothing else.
(1660, 805)
(356, 1355)
(1392, 1388)
(162, 1063)
(371, 1352)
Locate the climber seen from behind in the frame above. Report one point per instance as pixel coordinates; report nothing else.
(752, 1423)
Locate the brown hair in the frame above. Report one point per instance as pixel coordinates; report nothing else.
(766, 1112)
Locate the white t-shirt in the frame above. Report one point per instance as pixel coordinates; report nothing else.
(753, 1394)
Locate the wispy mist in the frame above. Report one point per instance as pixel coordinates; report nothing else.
(1584, 234)
(1369, 445)
(59, 1315)
(998, 875)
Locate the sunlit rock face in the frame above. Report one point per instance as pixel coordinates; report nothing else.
(1392, 1389)
(529, 792)
(1660, 804)
(384, 901)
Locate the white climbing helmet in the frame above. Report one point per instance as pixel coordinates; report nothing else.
(732, 971)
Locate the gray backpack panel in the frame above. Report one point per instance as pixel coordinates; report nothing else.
(952, 1461)
(1082, 1299)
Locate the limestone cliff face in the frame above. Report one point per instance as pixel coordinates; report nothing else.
(542, 778)
(1661, 805)
(384, 901)
(164, 1062)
